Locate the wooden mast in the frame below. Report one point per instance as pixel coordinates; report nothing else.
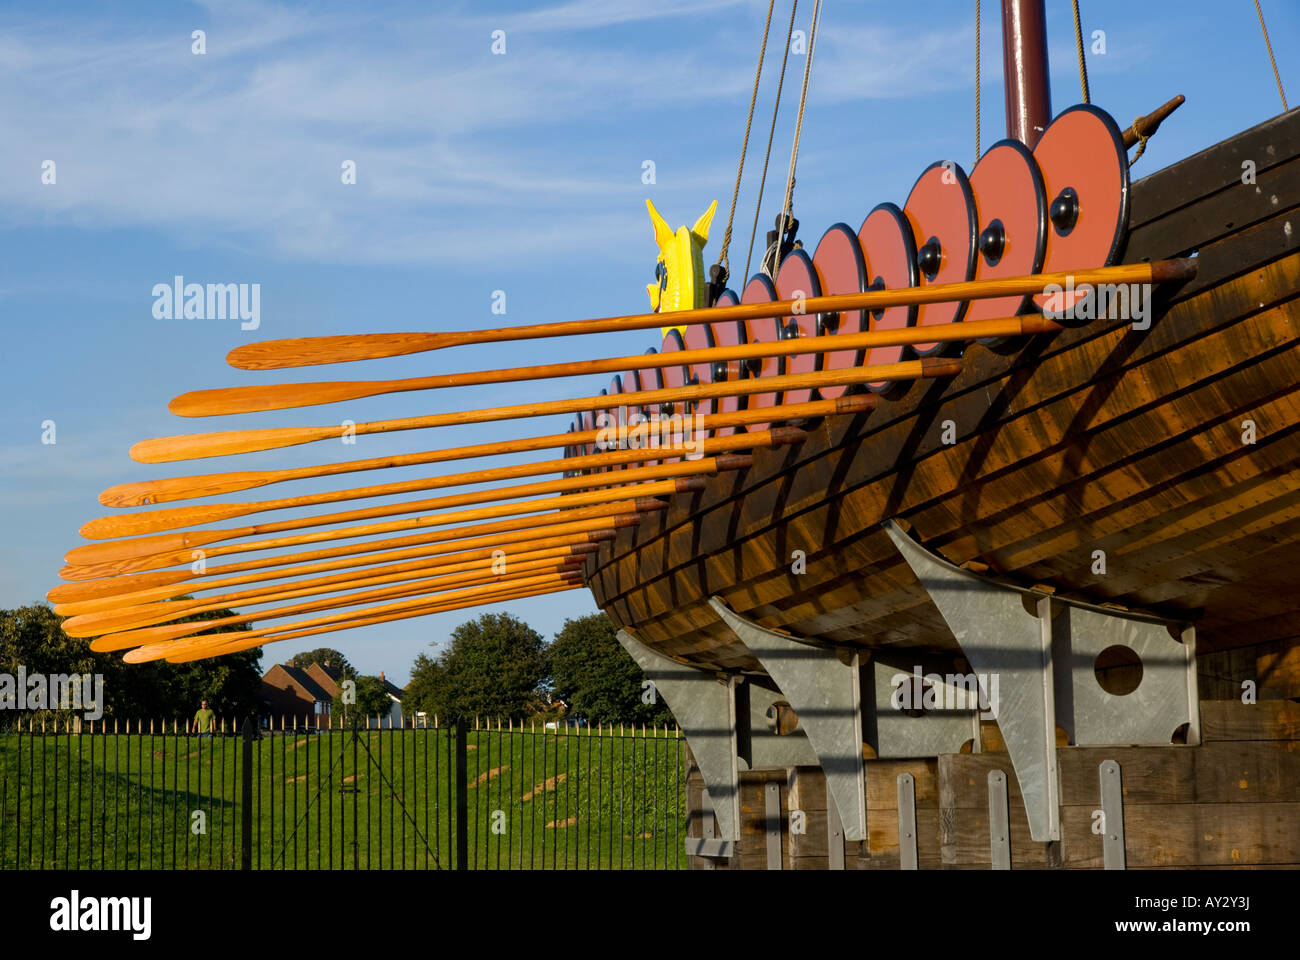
(1024, 70)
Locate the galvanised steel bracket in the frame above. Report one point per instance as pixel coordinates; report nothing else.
(825, 691)
(726, 722)
(1112, 816)
(894, 730)
(999, 822)
(1041, 651)
(704, 708)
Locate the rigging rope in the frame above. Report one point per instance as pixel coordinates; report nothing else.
(977, 80)
(744, 147)
(1083, 66)
(798, 129)
(1268, 43)
(770, 134)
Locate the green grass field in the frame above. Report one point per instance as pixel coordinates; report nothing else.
(535, 799)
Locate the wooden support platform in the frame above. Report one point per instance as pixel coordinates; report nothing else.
(1233, 802)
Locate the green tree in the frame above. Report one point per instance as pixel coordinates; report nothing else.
(596, 677)
(493, 666)
(422, 691)
(372, 700)
(323, 655)
(32, 637)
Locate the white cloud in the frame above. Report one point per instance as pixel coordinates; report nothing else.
(459, 153)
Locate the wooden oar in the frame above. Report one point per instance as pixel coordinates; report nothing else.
(500, 531)
(170, 542)
(168, 489)
(173, 631)
(233, 641)
(460, 559)
(143, 615)
(469, 561)
(310, 351)
(176, 518)
(187, 555)
(206, 650)
(224, 443)
(280, 396)
(203, 647)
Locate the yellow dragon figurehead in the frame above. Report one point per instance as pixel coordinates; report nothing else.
(679, 272)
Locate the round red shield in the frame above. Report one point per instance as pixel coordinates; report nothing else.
(797, 280)
(616, 420)
(890, 257)
(587, 422)
(599, 422)
(941, 213)
(1085, 175)
(1011, 207)
(727, 333)
(699, 336)
(760, 290)
(650, 378)
(840, 269)
(674, 377)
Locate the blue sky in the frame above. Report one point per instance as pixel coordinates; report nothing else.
(475, 173)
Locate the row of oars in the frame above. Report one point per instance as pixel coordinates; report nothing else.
(487, 545)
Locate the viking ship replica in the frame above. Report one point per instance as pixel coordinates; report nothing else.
(965, 538)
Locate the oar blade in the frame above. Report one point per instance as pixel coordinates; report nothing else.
(154, 521)
(195, 446)
(312, 351)
(272, 396)
(111, 586)
(144, 492)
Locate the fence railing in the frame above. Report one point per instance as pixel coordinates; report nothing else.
(478, 795)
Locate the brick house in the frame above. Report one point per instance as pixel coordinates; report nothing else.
(291, 692)
(307, 695)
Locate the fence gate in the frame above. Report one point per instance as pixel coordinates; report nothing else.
(281, 796)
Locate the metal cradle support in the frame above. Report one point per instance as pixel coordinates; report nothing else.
(900, 723)
(1034, 656)
(726, 722)
(1113, 852)
(825, 692)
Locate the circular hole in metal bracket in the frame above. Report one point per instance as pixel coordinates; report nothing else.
(1118, 670)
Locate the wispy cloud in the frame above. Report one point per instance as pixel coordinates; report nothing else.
(459, 153)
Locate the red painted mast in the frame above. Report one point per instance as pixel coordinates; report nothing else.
(1024, 70)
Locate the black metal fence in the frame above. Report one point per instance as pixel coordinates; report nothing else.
(479, 795)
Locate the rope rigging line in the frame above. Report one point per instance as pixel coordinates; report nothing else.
(744, 146)
(978, 4)
(762, 183)
(798, 129)
(1271, 59)
(1083, 65)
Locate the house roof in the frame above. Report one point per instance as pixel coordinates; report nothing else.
(326, 678)
(320, 682)
(300, 679)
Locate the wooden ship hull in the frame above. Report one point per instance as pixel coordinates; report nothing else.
(1175, 451)
(1102, 438)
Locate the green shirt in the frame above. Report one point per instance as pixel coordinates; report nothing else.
(205, 721)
